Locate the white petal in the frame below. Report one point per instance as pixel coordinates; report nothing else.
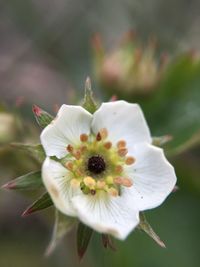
(57, 182)
(106, 214)
(70, 123)
(153, 176)
(123, 121)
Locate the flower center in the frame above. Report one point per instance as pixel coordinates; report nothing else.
(96, 164)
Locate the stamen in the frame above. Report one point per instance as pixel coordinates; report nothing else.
(83, 148)
(69, 165)
(93, 192)
(70, 148)
(122, 152)
(121, 144)
(108, 145)
(113, 192)
(89, 182)
(79, 172)
(104, 133)
(84, 137)
(98, 137)
(118, 180)
(77, 154)
(109, 179)
(74, 183)
(127, 182)
(101, 184)
(119, 169)
(129, 160)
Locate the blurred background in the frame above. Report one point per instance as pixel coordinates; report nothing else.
(141, 51)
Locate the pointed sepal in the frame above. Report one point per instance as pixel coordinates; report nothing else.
(108, 242)
(146, 227)
(63, 224)
(161, 140)
(43, 202)
(88, 103)
(84, 234)
(36, 151)
(29, 181)
(42, 117)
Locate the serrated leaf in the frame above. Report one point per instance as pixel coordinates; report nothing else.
(42, 117)
(43, 202)
(29, 181)
(36, 150)
(146, 227)
(63, 224)
(88, 102)
(84, 234)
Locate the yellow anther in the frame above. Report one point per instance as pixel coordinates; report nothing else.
(129, 160)
(104, 133)
(122, 152)
(69, 165)
(70, 148)
(83, 137)
(109, 179)
(118, 169)
(74, 183)
(100, 184)
(113, 192)
(89, 182)
(108, 145)
(121, 144)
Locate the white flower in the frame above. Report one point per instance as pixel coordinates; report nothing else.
(106, 170)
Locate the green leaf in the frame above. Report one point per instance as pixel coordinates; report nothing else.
(146, 227)
(175, 108)
(42, 203)
(36, 150)
(88, 102)
(63, 224)
(28, 181)
(84, 234)
(42, 117)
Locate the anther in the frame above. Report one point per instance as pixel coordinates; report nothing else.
(100, 184)
(70, 148)
(83, 148)
(104, 133)
(122, 152)
(123, 181)
(118, 169)
(129, 160)
(98, 137)
(74, 183)
(83, 137)
(77, 154)
(69, 165)
(121, 144)
(89, 182)
(93, 192)
(108, 145)
(113, 192)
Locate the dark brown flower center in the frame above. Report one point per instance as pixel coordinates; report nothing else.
(96, 164)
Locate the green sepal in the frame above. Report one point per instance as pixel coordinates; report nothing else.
(36, 151)
(107, 242)
(43, 202)
(161, 140)
(29, 181)
(42, 117)
(88, 103)
(63, 224)
(84, 234)
(146, 227)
